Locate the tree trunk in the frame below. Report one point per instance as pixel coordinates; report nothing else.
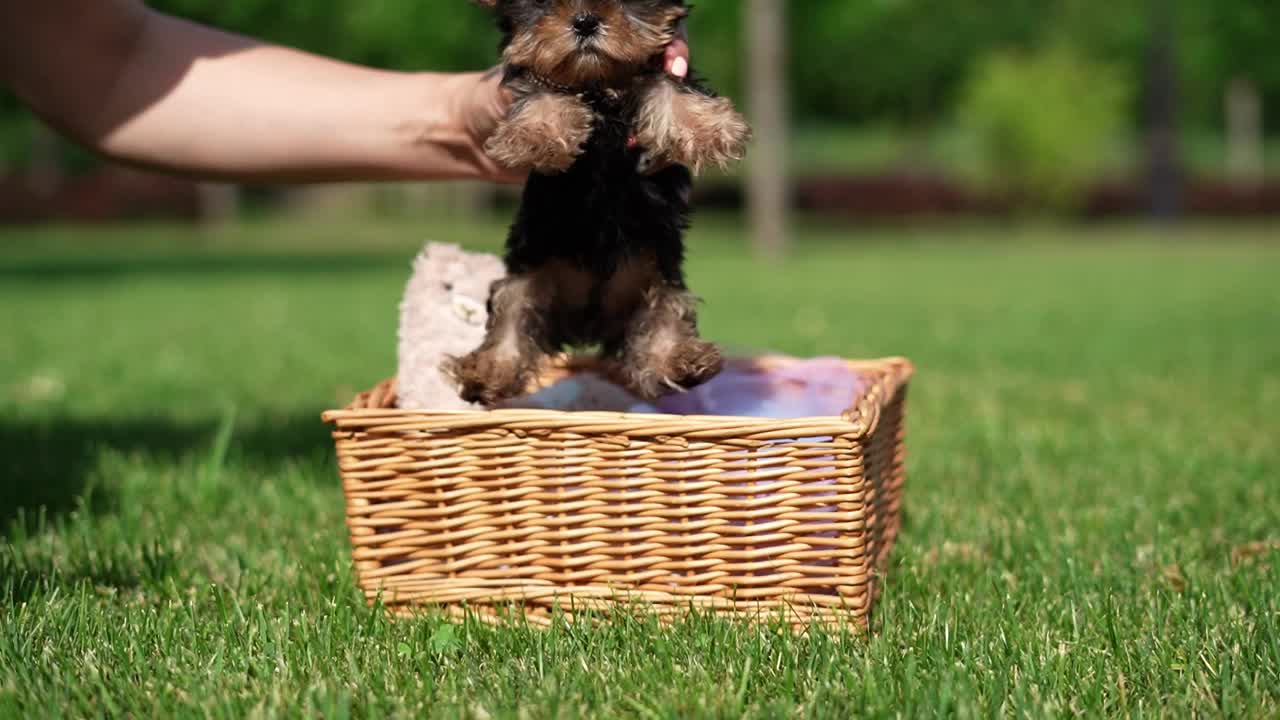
(1244, 132)
(768, 186)
(1164, 165)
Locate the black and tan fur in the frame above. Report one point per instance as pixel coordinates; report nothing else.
(595, 256)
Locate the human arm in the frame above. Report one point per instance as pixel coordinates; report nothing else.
(153, 90)
(146, 88)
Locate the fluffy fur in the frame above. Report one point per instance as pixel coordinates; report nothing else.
(595, 256)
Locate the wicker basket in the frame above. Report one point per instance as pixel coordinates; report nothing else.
(532, 511)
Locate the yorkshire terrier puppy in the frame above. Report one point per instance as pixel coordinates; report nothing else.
(595, 256)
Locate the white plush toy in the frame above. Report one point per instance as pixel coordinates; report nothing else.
(443, 314)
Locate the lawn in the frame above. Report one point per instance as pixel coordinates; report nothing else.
(1093, 523)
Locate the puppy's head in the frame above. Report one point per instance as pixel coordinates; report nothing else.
(585, 42)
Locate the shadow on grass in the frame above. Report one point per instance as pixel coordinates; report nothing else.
(45, 269)
(50, 467)
(26, 571)
(47, 466)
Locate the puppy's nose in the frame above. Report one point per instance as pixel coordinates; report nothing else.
(586, 24)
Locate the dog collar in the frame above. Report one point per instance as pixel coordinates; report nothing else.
(549, 84)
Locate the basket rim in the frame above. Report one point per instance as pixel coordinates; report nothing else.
(374, 409)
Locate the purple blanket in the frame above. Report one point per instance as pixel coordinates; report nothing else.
(807, 388)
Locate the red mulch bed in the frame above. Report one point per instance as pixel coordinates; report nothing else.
(109, 194)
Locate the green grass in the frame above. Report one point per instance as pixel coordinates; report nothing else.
(1094, 431)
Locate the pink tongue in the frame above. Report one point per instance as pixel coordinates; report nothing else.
(631, 141)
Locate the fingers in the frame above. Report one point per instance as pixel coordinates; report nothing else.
(488, 103)
(675, 61)
(676, 58)
(504, 99)
(500, 95)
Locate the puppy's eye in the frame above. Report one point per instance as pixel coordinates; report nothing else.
(448, 287)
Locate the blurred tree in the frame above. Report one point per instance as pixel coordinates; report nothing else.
(448, 35)
(902, 62)
(1043, 123)
(310, 24)
(1245, 152)
(1224, 41)
(1164, 161)
(401, 34)
(718, 34)
(768, 187)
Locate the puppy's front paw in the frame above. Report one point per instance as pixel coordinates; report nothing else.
(545, 133)
(688, 128)
(485, 378)
(713, 133)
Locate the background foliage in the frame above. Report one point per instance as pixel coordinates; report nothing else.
(899, 63)
(1043, 124)
(888, 60)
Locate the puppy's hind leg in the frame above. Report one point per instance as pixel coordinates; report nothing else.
(662, 352)
(507, 362)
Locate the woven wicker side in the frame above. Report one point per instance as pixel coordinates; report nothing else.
(743, 517)
(382, 397)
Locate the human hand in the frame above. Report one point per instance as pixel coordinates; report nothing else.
(481, 102)
(675, 61)
(676, 58)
